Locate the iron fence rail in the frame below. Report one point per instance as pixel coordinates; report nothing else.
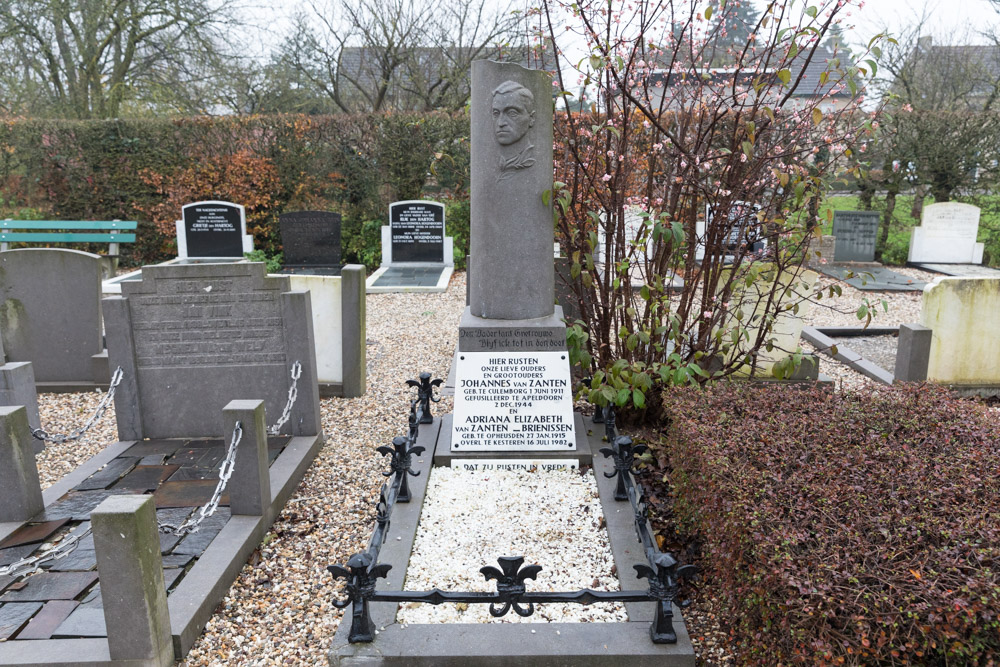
(362, 571)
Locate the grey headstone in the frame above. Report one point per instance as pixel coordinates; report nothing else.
(511, 226)
(416, 229)
(310, 239)
(250, 485)
(51, 312)
(17, 387)
(191, 338)
(544, 334)
(856, 233)
(913, 353)
(354, 330)
(20, 490)
(214, 229)
(131, 571)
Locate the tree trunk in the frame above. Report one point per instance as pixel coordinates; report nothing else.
(883, 235)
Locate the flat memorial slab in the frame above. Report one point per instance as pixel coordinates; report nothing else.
(412, 278)
(960, 270)
(880, 280)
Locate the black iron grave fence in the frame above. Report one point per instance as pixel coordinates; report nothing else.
(362, 572)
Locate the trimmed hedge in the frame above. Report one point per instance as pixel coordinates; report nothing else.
(145, 169)
(843, 528)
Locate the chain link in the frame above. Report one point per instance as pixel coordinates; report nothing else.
(191, 524)
(33, 564)
(293, 393)
(76, 434)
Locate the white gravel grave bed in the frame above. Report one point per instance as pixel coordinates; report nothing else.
(470, 518)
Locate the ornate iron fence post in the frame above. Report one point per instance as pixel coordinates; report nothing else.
(663, 585)
(510, 585)
(623, 453)
(361, 577)
(400, 465)
(425, 394)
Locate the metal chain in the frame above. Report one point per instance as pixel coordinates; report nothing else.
(191, 524)
(34, 563)
(293, 393)
(76, 434)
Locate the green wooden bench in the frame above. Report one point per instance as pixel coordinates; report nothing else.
(111, 232)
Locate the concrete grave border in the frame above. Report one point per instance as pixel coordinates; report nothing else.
(820, 339)
(512, 644)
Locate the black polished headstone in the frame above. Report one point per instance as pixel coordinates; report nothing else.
(417, 231)
(214, 229)
(741, 216)
(856, 233)
(311, 240)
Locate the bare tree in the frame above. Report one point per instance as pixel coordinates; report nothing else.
(401, 54)
(88, 58)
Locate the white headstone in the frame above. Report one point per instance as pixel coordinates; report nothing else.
(947, 234)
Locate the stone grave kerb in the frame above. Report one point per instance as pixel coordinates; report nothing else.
(192, 338)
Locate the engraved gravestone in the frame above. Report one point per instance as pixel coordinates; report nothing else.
(214, 229)
(512, 378)
(191, 338)
(742, 227)
(855, 233)
(51, 314)
(311, 241)
(417, 231)
(947, 234)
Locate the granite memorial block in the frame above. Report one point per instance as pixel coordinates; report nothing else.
(311, 241)
(512, 389)
(511, 232)
(947, 234)
(212, 229)
(20, 489)
(856, 233)
(742, 227)
(417, 231)
(51, 314)
(191, 338)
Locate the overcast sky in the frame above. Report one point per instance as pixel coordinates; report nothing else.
(947, 18)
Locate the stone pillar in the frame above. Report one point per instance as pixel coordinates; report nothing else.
(17, 387)
(913, 352)
(354, 330)
(250, 485)
(130, 568)
(511, 227)
(121, 352)
(300, 345)
(20, 490)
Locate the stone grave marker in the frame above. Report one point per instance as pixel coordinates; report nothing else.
(416, 254)
(947, 235)
(741, 215)
(311, 242)
(51, 316)
(417, 231)
(191, 338)
(212, 229)
(512, 376)
(855, 233)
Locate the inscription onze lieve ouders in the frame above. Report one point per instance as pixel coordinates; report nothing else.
(513, 116)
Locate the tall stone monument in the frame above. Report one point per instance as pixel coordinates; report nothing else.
(513, 389)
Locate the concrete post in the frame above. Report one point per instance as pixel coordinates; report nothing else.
(17, 387)
(20, 490)
(250, 485)
(354, 331)
(300, 345)
(913, 352)
(130, 568)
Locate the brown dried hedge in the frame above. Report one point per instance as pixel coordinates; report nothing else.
(844, 528)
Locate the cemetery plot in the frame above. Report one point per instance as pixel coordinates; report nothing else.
(310, 242)
(871, 278)
(416, 254)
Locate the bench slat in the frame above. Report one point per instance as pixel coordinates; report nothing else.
(68, 224)
(51, 237)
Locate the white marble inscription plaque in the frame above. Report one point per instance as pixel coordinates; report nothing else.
(525, 465)
(513, 401)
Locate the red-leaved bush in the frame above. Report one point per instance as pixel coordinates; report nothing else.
(843, 528)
